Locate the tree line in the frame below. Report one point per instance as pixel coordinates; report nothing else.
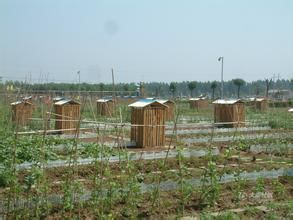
(232, 88)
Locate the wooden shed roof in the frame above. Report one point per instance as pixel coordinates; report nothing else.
(67, 101)
(197, 99)
(58, 98)
(260, 99)
(227, 102)
(145, 102)
(251, 99)
(20, 102)
(104, 100)
(164, 101)
(27, 98)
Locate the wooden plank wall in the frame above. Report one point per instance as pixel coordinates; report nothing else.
(150, 129)
(230, 113)
(261, 106)
(198, 104)
(170, 114)
(21, 113)
(65, 113)
(105, 108)
(239, 114)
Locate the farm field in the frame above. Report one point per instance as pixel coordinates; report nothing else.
(202, 172)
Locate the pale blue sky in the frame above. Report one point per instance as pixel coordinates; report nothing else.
(145, 40)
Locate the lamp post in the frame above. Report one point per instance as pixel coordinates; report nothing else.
(222, 71)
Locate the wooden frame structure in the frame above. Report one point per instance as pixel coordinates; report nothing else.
(171, 108)
(22, 111)
(67, 115)
(46, 99)
(148, 123)
(250, 102)
(229, 113)
(105, 107)
(261, 104)
(198, 103)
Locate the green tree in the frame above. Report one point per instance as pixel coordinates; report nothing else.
(214, 85)
(102, 86)
(173, 88)
(126, 87)
(132, 87)
(191, 86)
(238, 82)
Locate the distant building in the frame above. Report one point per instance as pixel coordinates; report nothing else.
(283, 94)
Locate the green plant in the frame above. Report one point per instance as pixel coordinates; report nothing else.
(210, 187)
(67, 199)
(185, 188)
(278, 189)
(260, 185)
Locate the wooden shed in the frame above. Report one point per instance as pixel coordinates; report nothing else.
(231, 113)
(148, 123)
(46, 100)
(67, 114)
(261, 104)
(198, 103)
(250, 102)
(22, 112)
(105, 107)
(171, 108)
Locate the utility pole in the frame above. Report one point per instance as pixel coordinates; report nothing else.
(222, 73)
(274, 86)
(113, 87)
(78, 73)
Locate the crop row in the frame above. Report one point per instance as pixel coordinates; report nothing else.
(162, 186)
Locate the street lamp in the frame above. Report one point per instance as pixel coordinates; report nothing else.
(222, 82)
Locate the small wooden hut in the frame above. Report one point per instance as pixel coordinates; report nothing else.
(46, 100)
(250, 102)
(22, 112)
(170, 110)
(229, 113)
(261, 104)
(148, 123)
(105, 107)
(67, 114)
(198, 103)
